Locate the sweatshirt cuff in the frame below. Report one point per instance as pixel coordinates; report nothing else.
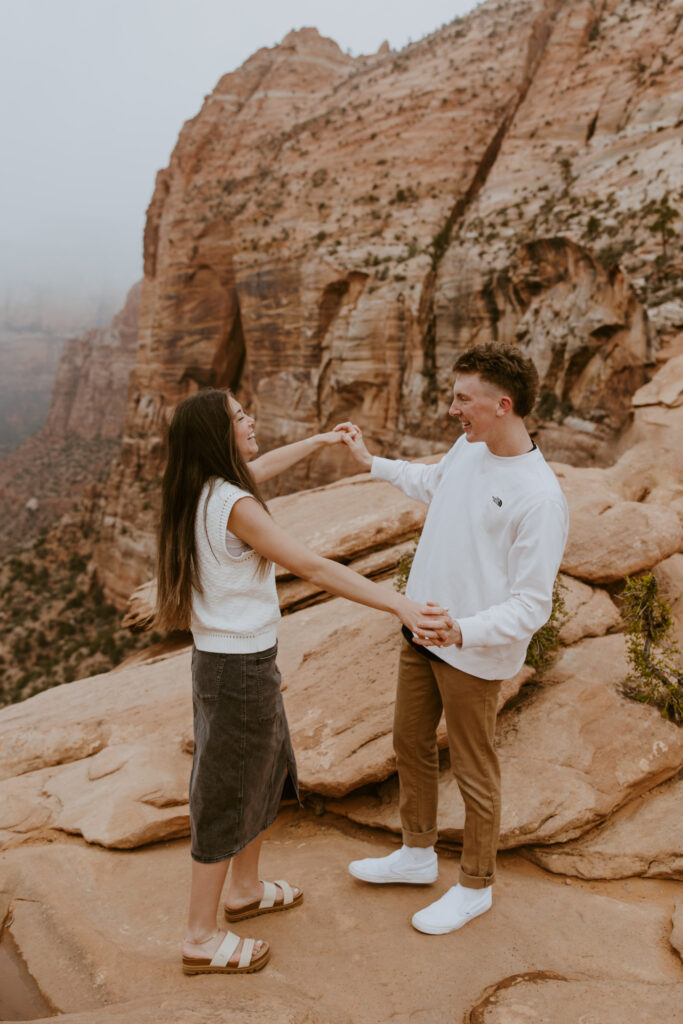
(382, 469)
(474, 632)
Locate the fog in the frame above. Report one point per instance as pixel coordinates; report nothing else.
(92, 97)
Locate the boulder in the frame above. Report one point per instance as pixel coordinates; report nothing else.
(665, 388)
(669, 575)
(125, 796)
(570, 756)
(621, 540)
(589, 611)
(101, 757)
(643, 838)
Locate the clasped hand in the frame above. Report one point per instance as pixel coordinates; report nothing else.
(431, 625)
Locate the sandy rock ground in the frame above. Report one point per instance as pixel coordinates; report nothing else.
(99, 931)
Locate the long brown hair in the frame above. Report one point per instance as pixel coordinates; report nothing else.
(201, 446)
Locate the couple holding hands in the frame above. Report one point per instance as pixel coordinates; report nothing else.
(480, 586)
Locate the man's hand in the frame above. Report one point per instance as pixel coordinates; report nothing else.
(444, 636)
(428, 623)
(338, 434)
(353, 439)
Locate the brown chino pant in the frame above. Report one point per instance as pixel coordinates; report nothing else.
(425, 688)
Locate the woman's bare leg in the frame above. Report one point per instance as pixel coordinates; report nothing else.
(203, 936)
(244, 885)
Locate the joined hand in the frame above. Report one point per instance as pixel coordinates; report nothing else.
(436, 628)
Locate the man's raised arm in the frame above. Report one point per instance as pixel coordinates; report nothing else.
(414, 478)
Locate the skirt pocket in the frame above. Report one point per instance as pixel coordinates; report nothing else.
(263, 685)
(207, 674)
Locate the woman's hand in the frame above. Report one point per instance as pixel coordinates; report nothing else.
(338, 434)
(429, 623)
(353, 439)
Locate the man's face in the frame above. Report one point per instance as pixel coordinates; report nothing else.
(478, 405)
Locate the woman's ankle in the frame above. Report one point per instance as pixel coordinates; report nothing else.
(200, 936)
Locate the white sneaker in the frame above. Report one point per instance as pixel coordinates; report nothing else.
(455, 908)
(395, 868)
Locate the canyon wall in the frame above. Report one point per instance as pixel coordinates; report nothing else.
(47, 474)
(331, 232)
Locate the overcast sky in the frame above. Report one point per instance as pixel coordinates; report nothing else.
(93, 94)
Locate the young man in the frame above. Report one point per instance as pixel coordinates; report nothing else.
(490, 551)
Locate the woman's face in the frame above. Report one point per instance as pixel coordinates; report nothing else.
(244, 430)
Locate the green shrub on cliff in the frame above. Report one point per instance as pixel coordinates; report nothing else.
(545, 643)
(656, 675)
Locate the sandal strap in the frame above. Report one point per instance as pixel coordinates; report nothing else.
(225, 950)
(269, 896)
(287, 891)
(247, 950)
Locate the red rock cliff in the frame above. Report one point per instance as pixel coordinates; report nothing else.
(331, 232)
(46, 475)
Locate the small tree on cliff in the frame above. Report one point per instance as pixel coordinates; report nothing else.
(664, 214)
(656, 675)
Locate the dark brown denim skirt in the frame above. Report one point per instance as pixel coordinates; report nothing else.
(243, 759)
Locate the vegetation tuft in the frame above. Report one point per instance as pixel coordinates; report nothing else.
(55, 622)
(656, 675)
(545, 643)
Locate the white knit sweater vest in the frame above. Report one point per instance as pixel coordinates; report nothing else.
(237, 610)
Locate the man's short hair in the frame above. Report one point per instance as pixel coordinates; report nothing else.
(506, 368)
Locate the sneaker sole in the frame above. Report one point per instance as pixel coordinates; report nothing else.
(393, 880)
(445, 929)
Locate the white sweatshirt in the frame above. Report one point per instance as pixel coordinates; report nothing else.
(490, 549)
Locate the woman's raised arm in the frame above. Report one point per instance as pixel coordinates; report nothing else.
(281, 459)
(252, 524)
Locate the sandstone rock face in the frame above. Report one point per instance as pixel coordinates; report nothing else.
(499, 169)
(116, 918)
(669, 575)
(540, 997)
(589, 611)
(644, 838)
(676, 938)
(125, 796)
(561, 772)
(82, 758)
(665, 388)
(90, 392)
(596, 549)
(45, 476)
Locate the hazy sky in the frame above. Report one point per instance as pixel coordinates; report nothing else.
(93, 94)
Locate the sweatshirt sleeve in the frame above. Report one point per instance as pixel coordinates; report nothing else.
(413, 478)
(534, 561)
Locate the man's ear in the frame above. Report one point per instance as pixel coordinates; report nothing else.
(504, 405)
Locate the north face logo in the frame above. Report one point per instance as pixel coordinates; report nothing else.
(498, 501)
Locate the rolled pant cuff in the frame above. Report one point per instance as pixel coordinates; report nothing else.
(474, 881)
(421, 839)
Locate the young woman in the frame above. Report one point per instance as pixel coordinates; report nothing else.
(217, 546)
